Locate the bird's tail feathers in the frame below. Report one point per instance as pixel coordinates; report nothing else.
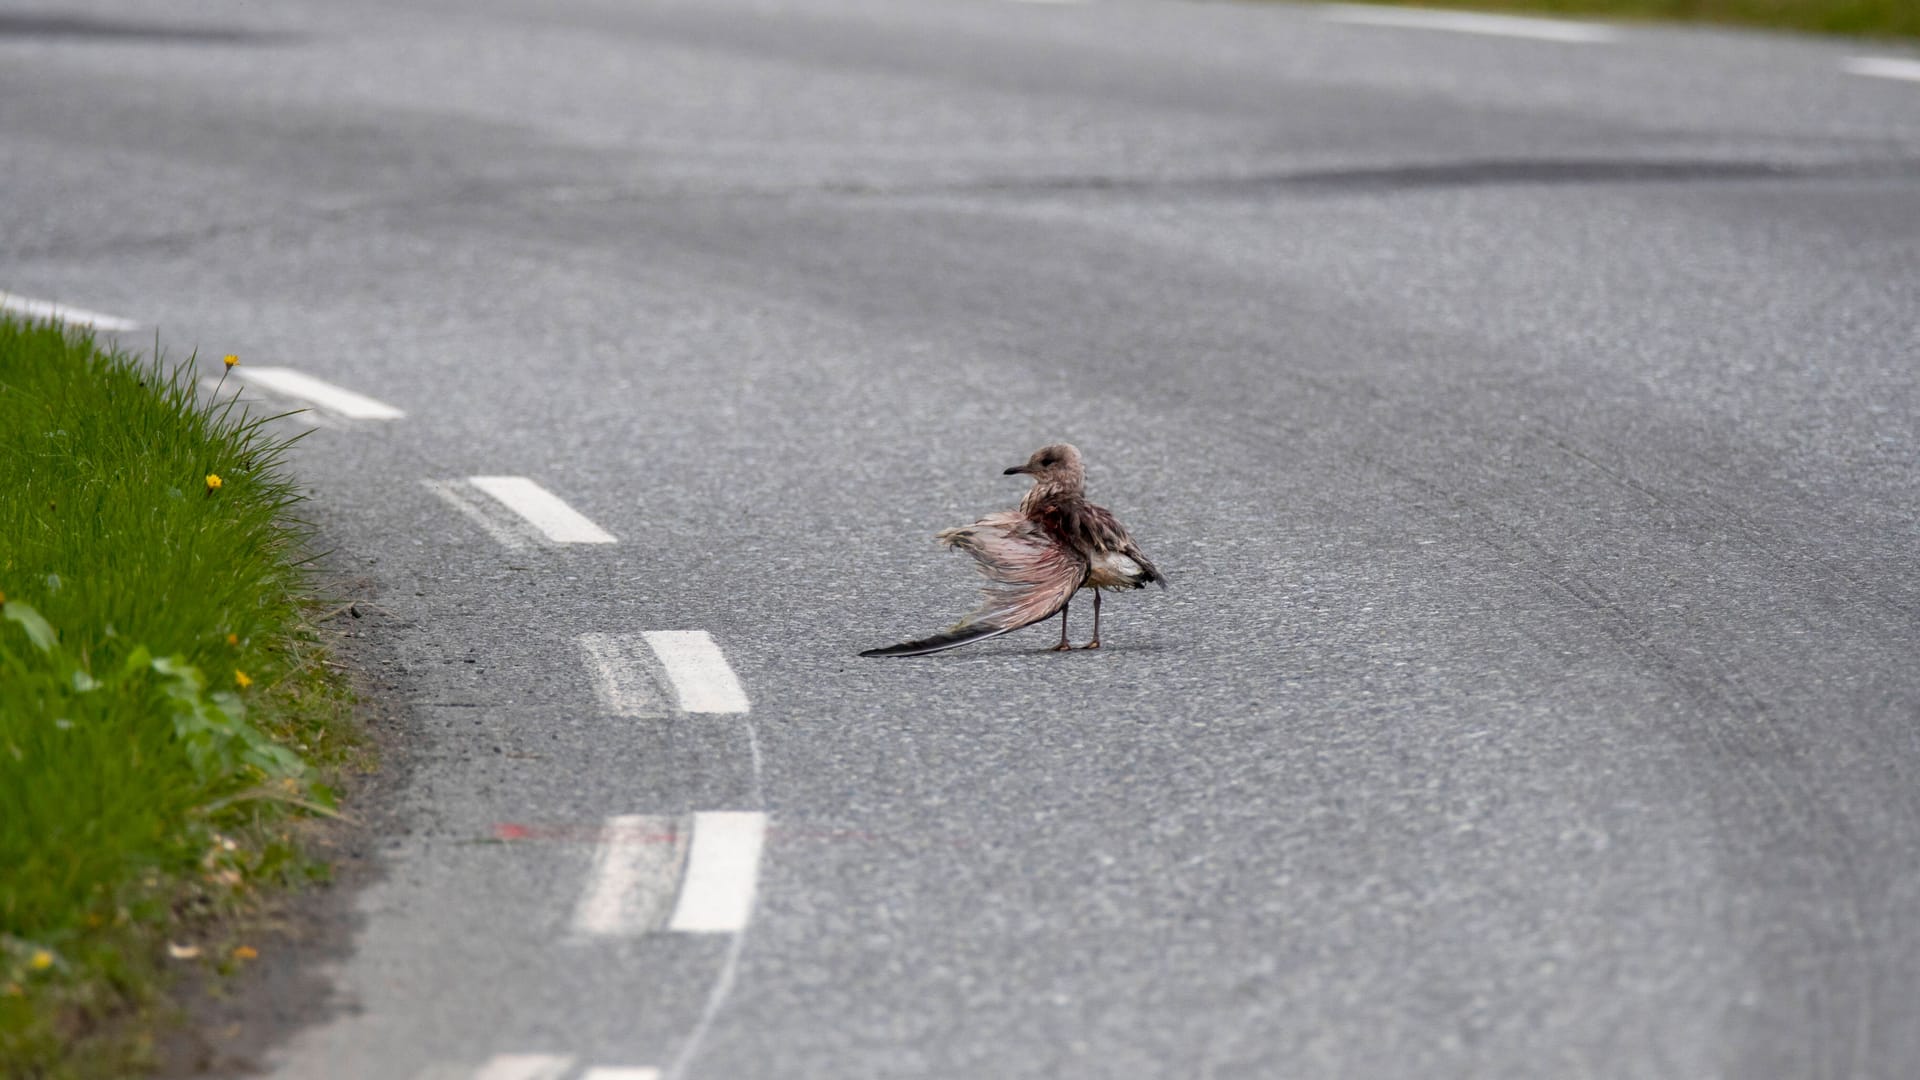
(1028, 579)
(951, 638)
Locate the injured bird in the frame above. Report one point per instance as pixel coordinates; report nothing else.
(1036, 557)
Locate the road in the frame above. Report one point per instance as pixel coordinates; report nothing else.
(1526, 422)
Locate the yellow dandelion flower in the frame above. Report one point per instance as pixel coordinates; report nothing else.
(214, 482)
(233, 639)
(42, 960)
(231, 360)
(245, 952)
(242, 678)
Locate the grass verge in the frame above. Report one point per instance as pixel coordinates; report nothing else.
(165, 708)
(1881, 18)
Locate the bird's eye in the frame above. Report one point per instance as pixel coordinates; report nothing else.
(1048, 460)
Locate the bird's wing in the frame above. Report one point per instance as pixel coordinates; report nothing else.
(1104, 533)
(1029, 578)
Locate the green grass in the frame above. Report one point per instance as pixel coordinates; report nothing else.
(1885, 18)
(145, 793)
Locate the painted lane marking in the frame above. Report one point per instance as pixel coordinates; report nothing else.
(723, 870)
(542, 509)
(524, 1067)
(596, 833)
(534, 1067)
(698, 671)
(456, 494)
(622, 678)
(633, 876)
(72, 316)
(244, 396)
(1882, 67)
(317, 392)
(1466, 22)
(722, 988)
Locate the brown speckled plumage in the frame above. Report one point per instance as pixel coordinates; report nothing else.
(1035, 558)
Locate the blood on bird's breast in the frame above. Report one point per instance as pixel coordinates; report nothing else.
(1057, 522)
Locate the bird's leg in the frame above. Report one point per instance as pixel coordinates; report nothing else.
(1095, 643)
(1063, 646)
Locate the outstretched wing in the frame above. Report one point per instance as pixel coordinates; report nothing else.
(1029, 578)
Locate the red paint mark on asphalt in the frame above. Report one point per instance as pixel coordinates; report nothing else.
(583, 834)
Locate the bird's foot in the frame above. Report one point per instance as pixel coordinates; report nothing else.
(1094, 644)
(1062, 647)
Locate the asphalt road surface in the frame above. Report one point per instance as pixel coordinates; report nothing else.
(1525, 418)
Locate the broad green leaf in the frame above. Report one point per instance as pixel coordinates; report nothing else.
(37, 628)
(229, 703)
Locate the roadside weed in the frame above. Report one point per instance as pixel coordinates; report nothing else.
(159, 684)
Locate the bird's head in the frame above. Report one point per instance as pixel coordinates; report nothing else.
(1056, 466)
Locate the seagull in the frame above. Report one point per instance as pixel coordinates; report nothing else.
(1035, 558)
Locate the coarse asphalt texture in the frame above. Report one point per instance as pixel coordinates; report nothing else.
(1528, 429)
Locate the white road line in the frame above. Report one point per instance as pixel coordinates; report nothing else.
(1883, 67)
(454, 494)
(232, 390)
(723, 869)
(543, 509)
(622, 679)
(722, 988)
(698, 670)
(524, 1067)
(632, 878)
(73, 316)
(325, 395)
(1468, 22)
(617, 1072)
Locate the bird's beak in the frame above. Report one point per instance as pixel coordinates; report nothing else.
(1017, 469)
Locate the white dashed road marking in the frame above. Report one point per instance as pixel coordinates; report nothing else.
(723, 870)
(622, 675)
(72, 316)
(721, 857)
(626, 670)
(632, 879)
(524, 1067)
(1466, 22)
(299, 385)
(698, 670)
(536, 1067)
(465, 499)
(219, 390)
(542, 509)
(716, 861)
(1883, 67)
